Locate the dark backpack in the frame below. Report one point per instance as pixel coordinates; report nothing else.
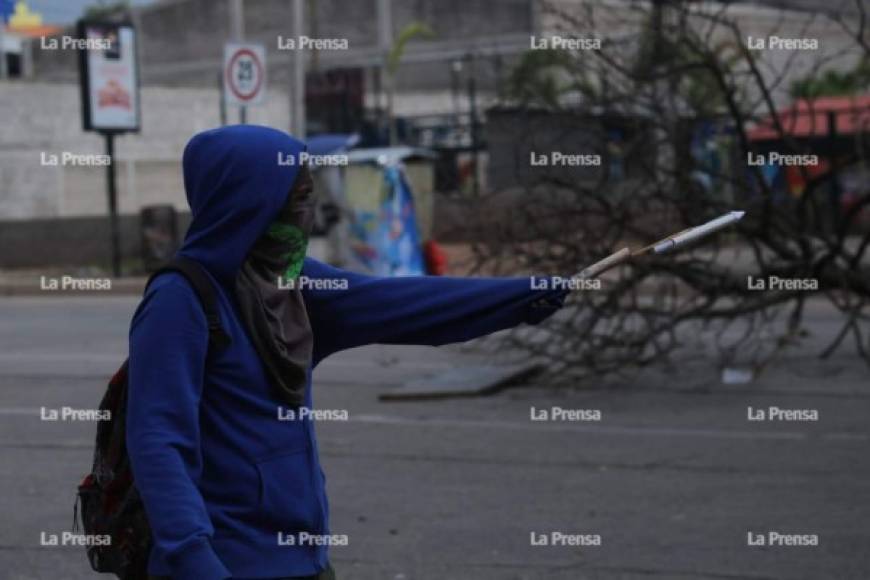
(110, 503)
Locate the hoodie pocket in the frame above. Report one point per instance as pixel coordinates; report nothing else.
(289, 500)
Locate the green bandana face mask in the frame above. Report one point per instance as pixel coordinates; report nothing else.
(289, 232)
(295, 241)
(271, 304)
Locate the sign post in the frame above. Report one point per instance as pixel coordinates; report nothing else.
(244, 75)
(109, 79)
(112, 192)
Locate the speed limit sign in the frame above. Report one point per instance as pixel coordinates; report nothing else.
(244, 73)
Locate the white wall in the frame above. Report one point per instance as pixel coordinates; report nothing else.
(46, 119)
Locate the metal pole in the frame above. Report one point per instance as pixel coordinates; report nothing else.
(385, 42)
(3, 48)
(223, 99)
(237, 33)
(835, 192)
(297, 80)
(237, 20)
(114, 232)
(472, 99)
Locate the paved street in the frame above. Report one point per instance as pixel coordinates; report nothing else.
(673, 477)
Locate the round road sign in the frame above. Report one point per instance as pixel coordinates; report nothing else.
(244, 74)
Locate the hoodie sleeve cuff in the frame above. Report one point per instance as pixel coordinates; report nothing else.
(545, 304)
(199, 561)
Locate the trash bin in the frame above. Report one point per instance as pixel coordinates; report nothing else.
(159, 231)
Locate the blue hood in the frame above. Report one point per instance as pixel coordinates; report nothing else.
(235, 187)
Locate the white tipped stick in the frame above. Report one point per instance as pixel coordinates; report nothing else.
(682, 238)
(665, 245)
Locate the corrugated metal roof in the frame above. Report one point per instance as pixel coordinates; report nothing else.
(810, 118)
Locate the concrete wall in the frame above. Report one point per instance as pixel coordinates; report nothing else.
(78, 241)
(44, 119)
(181, 41)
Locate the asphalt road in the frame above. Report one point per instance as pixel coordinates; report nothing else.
(672, 478)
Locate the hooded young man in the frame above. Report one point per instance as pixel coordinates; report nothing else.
(225, 483)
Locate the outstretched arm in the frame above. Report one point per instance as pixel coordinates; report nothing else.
(426, 310)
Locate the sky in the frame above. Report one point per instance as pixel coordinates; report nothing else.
(66, 11)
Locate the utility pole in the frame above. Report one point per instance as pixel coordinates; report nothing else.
(223, 98)
(2, 47)
(237, 34)
(385, 43)
(472, 111)
(114, 226)
(297, 78)
(237, 20)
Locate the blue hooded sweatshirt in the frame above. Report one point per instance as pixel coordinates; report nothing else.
(220, 475)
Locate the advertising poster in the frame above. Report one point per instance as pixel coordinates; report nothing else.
(110, 78)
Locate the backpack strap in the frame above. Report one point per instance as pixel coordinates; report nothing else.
(205, 291)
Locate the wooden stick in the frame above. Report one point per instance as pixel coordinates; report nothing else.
(607, 263)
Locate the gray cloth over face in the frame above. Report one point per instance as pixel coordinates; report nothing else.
(270, 301)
